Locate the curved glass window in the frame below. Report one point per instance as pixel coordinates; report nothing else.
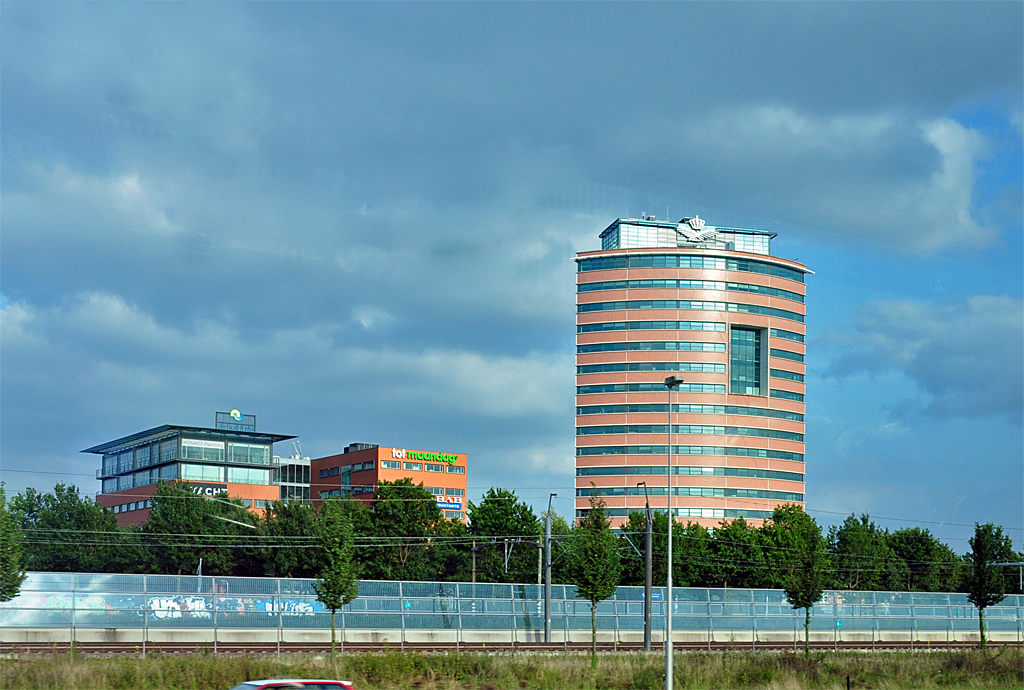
(606, 263)
(787, 395)
(688, 304)
(201, 473)
(651, 326)
(788, 335)
(652, 346)
(249, 454)
(169, 450)
(206, 451)
(788, 375)
(691, 409)
(647, 387)
(689, 285)
(682, 470)
(248, 475)
(706, 429)
(690, 450)
(701, 491)
(704, 367)
(786, 354)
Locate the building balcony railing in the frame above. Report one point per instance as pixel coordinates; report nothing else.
(134, 466)
(125, 483)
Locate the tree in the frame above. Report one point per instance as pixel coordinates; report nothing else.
(58, 521)
(561, 551)
(404, 521)
(926, 564)
(596, 564)
(985, 586)
(188, 528)
(691, 552)
(800, 550)
(862, 556)
(12, 574)
(508, 527)
(632, 549)
(291, 519)
(337, 584)
(738, 556)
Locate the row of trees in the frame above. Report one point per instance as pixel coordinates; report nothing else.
(856, 555)
(405, 537)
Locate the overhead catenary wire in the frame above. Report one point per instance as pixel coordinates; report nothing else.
(263, 541)
(660, 557)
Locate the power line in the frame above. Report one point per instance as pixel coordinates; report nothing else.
(370, 498)
(924, 522)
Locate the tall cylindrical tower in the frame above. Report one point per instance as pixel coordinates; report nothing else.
(712, 305)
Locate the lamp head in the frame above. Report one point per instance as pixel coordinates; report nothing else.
(673, 381)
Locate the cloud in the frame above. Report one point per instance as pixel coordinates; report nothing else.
(105, 367)
(359, 220)
(880, 179)
(968, 357)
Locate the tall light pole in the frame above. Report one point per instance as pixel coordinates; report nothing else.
(547, 572)
(672, 382)
(648, 567)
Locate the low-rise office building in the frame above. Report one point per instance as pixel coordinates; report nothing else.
(214, 462)
(357, 471)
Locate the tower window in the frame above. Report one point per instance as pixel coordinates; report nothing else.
(745, 361)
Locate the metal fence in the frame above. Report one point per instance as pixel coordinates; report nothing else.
(80, 600)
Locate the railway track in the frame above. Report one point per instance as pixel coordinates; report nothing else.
(102, 648)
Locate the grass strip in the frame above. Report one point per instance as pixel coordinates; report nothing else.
(993, 668)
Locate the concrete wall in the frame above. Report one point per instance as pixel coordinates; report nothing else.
(204, 637)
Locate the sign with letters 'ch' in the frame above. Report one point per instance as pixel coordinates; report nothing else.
(209, 490)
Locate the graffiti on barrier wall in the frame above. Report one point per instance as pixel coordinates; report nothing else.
(160, 607)
(180, 607)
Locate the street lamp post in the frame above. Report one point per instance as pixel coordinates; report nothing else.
(648, 567)
(672, 382)
(547, 572)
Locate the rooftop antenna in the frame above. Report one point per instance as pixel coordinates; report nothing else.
(297, 447)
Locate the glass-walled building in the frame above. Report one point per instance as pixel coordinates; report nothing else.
(238, 464)
(712, 305)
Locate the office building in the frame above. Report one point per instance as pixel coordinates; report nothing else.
(713, 306)
(357, 471)
(226, 462)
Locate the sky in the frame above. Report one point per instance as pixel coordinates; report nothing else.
(357, 222)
